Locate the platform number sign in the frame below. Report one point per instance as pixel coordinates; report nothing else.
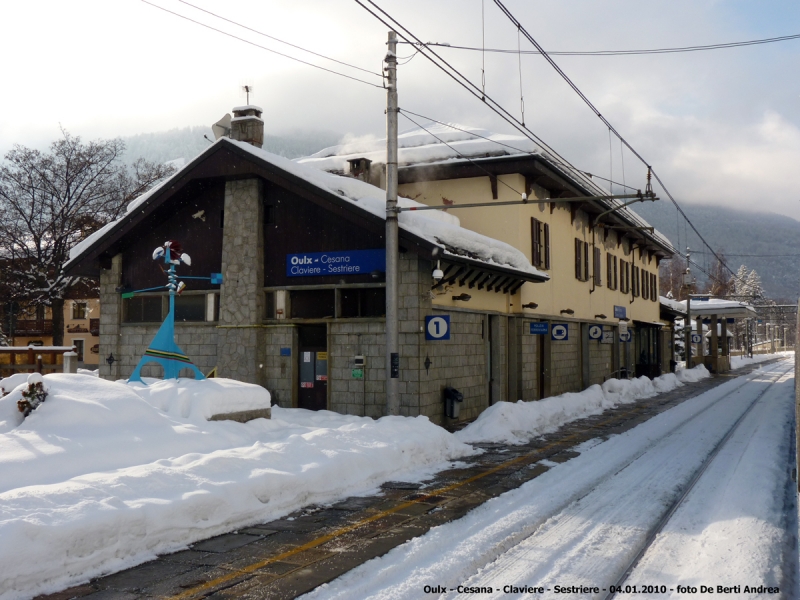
(437, 328)
(696, 338)
(595, 332)
(559, 332)
(625, 337)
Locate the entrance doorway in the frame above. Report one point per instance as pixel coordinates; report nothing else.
(313, 368)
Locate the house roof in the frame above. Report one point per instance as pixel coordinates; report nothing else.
(719, 307)
(434, 234)
(470, 152)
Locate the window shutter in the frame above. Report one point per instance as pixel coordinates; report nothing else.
(578, 255)
(609, 271)
(585, 261)
(546, 246)
(536, 247)
(653, 287)
(615, 272)
(598, 270)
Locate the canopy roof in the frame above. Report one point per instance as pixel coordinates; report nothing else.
(721, 308)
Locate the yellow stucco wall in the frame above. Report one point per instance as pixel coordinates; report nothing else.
(512, 224)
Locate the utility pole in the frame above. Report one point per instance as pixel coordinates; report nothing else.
(392, 235)
(687, 329)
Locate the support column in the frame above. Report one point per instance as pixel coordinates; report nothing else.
(724, 342)
(240, 344)
(700, 346)
(110, 319)
(714, 350)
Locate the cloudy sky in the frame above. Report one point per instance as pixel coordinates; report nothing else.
(720, 126)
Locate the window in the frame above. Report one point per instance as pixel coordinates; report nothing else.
(581, 260)
(540, 244)
(312, 304)
(625, 276)
(142, 309)
(363, 302)
(645, 285)
(653, 287)
(598, 280)
(79, 310)
(190, 308)
(635, 281)
(611, 271)
(79, 346)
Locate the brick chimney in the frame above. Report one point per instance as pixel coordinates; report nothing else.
(247, 126)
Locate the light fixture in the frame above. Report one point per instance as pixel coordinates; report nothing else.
(530, 305)
(600, 316)
(624, 319)
(463, 297)
(567, 311)
(111, 360)
(438, 274)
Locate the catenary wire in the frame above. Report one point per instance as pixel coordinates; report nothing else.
(722, 46)
(236, 37)
(607, 123)
(499, 143)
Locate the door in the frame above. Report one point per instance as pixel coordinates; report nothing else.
(313, 357)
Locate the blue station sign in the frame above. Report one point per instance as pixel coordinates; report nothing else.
(346, 262)
(540, 327)
(620, 312)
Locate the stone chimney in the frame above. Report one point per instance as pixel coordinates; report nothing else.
(247, 126)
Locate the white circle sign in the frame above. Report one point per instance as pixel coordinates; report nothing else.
(559, 332)
(595, 332)
(437, 327)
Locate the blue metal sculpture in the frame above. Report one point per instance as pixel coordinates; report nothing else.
(163, 349)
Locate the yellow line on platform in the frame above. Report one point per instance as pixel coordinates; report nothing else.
(384, 513)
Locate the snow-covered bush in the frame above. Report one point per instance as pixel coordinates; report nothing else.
(33, 396)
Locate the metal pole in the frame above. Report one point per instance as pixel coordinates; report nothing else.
(392, 235)
(687, 330)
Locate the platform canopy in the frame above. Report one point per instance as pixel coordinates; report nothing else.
(730, 309)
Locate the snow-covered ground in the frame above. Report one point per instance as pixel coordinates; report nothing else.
(582, 522)
(105, 475)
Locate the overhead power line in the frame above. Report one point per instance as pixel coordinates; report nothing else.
(246, 41)
(606, 122)
(679, 49)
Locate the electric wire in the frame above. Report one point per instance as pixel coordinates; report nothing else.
(510, 147)
(607, 123)
(241, 39)
(679, 49)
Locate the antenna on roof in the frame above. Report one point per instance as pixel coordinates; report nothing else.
(247, 89)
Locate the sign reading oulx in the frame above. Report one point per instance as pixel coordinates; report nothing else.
(346, 262)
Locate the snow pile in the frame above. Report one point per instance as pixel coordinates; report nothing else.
(190, 399)
(97, 479)
(8, 384)
(516, 423)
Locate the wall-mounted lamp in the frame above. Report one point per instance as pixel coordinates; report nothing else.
(463, 297)
(600, 316)
(624, 319)
(567, 311)
(530, 305)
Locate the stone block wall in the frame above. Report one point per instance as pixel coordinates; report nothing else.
(348, 395)
(600, 361)
(110, 317)
(565, 362)
(197, 340)
(530, 363)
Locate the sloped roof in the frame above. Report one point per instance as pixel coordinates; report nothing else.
(440, 232)
(441, 144)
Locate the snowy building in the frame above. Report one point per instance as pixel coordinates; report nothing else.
(301, 306)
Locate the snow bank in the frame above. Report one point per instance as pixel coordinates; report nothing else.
(742, 361)
(97, 479)
(190, 399)
(516, 423)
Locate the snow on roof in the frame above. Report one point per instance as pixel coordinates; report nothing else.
(418, 146)
(438, 227)
(720, 307)
(673, 304)
(458, 143)
(247, 107)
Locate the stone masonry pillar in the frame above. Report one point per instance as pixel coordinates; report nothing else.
(240, 345)
(110, 318)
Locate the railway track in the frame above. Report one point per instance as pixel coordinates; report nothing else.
(609, 546)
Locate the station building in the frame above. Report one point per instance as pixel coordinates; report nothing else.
(531, 304)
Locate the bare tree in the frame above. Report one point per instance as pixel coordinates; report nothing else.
(670, 277)
(50, 201)
(719, 281)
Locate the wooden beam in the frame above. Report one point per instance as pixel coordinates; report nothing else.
(484, 280)
(493, 183)
(492, 282)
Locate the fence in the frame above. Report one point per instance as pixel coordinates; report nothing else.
(32, 359)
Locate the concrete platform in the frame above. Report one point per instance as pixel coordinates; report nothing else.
(290, 556)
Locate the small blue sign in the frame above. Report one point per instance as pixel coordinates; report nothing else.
(625, 337)
(437, 327)
(540, 328)
(559, 332)
(619, 312)
(696, 338)
(347, 262)
(216, 278)
(286, 351)
(595, 332)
